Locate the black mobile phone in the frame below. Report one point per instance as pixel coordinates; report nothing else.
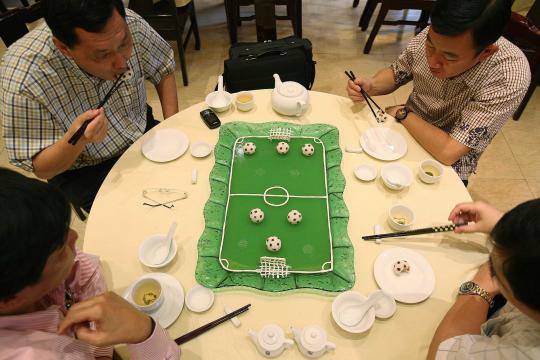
(210, 118)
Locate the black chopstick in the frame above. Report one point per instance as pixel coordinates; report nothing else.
(429, 230)
(194, 333)
(79, 133)
(366, 96)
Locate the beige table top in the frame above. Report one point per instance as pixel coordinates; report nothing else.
(118, 224)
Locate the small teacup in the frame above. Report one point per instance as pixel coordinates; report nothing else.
(400, 217)
(244, 101)
(147, 294)
(430, 171)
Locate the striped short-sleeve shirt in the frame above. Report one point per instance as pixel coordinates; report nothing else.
(43, 91)
(471, 107)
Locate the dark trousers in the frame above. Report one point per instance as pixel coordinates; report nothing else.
(81, 185)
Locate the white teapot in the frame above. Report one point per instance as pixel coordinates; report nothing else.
(312, 340)
(270, 341)
(289, 98)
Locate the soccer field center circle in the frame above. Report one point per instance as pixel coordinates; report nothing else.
(266, 195)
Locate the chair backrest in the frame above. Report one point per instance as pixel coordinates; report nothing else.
(526, 36)
(161, 15)
(12, 26)
(534, 14)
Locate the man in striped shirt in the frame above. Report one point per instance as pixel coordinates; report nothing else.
(53, 79)
(50, 292)
(467, 81)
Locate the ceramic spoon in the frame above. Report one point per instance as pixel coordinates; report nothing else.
(352, 315)
(220, 100)
(163, 251)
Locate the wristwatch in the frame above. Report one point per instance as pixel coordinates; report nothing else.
(472, 288)
(402, 113)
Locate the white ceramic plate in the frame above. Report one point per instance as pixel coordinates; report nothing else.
(346, 300)
(365, 172)
(200, 149)
(173, 302)
(199, 298)
(412, 287)
(383, 143)
(162, 145)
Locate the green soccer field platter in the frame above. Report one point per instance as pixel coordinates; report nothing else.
(317, 251)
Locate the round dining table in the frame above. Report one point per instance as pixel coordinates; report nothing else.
(119, 223)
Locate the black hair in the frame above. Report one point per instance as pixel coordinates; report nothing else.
(486, 19)
(63, 16)
(34, 222)
(517, 240)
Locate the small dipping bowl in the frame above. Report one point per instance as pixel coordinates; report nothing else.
(147, 294)
(199, 299)
(430, 171)
(219, 101)
(396, 176)
(200, 149)
(150, 246)
(385, 307)
(244, 101)
(346, 300)
(400, 217)
(365, 172)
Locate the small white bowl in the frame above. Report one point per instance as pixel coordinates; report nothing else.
(386, 307)
(365, 172)
(141, 291)
(199, 299)
(219, 101)
(427, 172)
(200, 149)
(400, 217)
(346, 300)
(396, 176)
(148, 249)
(244, 105)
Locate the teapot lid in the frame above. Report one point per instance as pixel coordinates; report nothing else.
(291, 89)
(271, 337)
(313, 338)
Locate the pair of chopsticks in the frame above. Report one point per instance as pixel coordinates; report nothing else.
(79, 133)
(193, 334)
(368, 99)
(428, 230)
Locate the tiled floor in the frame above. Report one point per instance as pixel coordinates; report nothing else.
(509, 170)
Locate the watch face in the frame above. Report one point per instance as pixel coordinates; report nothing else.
(401, 113)
(467, 287)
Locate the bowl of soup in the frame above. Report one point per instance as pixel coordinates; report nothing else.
(430, 171)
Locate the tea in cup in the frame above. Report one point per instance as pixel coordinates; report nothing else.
(430, 171)
(147, 294)
(244, 101)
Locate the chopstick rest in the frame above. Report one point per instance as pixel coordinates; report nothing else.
(194, 176)
(356, 150)
(236, 322)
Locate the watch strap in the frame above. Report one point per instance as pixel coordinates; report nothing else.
(477, 290)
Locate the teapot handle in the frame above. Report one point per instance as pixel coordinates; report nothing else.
(299, 106)
(288, 343)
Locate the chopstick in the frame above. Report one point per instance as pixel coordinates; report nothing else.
(79, 133)
(428, 230)
(366, 96)
(193, 334)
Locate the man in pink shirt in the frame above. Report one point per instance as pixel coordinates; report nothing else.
(53, 299)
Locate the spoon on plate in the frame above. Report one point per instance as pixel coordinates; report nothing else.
(353, 315)
(163, 251)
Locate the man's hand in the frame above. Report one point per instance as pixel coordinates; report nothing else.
(97, 128)
(479, 217)
(486, 280)
(353, 88)
(116, 321)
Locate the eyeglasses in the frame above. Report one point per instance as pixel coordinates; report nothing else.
(163, 192)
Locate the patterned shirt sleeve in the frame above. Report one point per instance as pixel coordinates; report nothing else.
(472, 347)
(25, 139)
(483, 117)
(157, 347)
(156, 55)
(404, 64)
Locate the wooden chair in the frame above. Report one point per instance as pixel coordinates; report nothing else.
(526, 35)
(387, 5)
(264, 18)
(169, 19)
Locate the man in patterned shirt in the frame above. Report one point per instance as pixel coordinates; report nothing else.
(467, 81)
(53, 79)
(513, 332)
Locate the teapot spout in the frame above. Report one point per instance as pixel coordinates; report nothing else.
(277, 81)
(297, 333)
(330, 346)
(253, 335)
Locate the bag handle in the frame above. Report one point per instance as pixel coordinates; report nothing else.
(264, 53)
